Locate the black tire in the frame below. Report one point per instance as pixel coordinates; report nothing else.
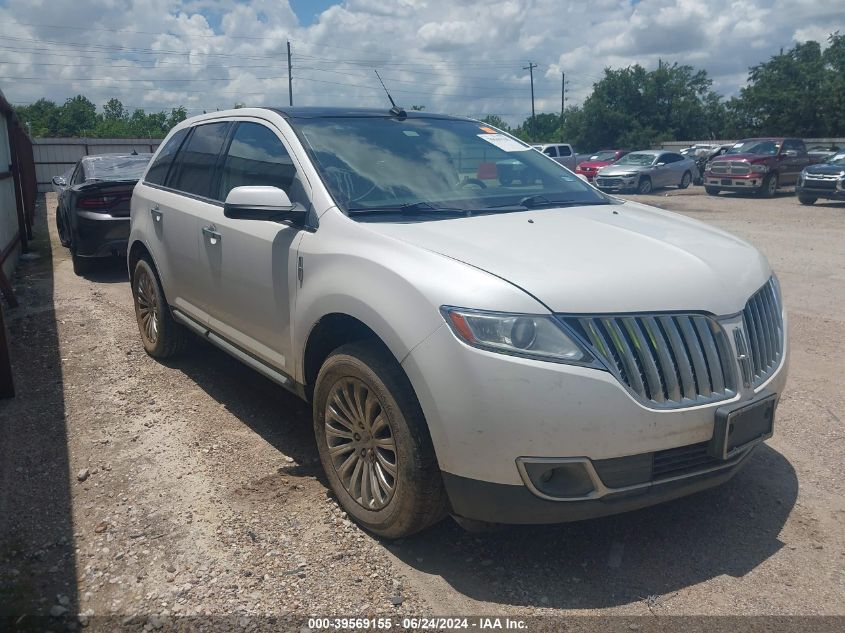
(711, 191)
(61, 227)
(686, 179)
(769, 186)
(81, 265)
(644, 186)
(417, 499)
(161, 336)
(808, 200)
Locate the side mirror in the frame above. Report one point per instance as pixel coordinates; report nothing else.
(262, 203)
(791, 153)
(59, 181)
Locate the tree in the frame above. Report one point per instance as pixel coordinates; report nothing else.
(42, 117)
(77, 117)
(496, 121)
(418, 108)
(114, 110)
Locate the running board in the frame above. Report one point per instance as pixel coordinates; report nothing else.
(236, 352)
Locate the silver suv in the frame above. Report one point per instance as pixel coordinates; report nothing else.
(506, 350)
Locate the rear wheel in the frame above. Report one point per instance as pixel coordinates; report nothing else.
(685, 180)
(61, 227)
(808, 200)
(644, 186)
(374, 444)
(770, 186)
(81, 265)
(712, 191)
(161, 336)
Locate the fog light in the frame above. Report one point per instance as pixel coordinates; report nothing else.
(560, 480)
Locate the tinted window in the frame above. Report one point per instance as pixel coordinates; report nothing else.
(158, 171)
(78, 175)
(564, 150)
(550, 151)
(794, 144)
(194, 167)
(256, 157)
(670, 158)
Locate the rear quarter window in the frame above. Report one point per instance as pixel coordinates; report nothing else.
(157, 174)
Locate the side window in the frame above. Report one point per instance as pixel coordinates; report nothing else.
(550, 151)
(670, 158)
(257, 156)
(193, 169)
(795, 144)
(78, 175)
(157, 173)
(564, 150)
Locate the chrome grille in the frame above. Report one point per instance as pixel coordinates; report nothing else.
(763, 324)
(667, 361)
(736, 167)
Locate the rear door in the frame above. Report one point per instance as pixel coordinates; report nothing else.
(251, 265)
(791, 166)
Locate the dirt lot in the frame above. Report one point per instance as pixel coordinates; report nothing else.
(147, 490)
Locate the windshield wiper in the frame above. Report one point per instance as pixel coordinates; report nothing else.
(411, 208)
(539, 201)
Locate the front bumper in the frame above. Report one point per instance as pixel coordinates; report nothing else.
(750, 182)
(100, 234)
(502, 503)
(818, 192)
(489, 414)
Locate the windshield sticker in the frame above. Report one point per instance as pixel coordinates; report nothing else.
(489, 130)
(504, 142)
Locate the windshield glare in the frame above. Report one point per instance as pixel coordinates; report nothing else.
(607, 155)
(837, 159)
(765, 148)
(636, 159)
(390, 163)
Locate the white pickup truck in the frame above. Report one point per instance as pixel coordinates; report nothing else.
(563, 153)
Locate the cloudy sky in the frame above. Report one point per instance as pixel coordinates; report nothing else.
(457, 56)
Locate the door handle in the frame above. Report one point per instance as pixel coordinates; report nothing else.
(211, 233)
(157, 215)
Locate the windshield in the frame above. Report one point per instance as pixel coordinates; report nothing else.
(116, 167)
(636, 159)
(764, 148)
(604, 155)
(428, 164)
(837, 159)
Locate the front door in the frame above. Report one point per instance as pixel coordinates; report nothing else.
(251, 264)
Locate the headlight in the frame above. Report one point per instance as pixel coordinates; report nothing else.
(759, 169)
(530, 335)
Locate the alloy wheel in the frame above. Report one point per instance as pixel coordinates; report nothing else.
(148, 308)
(361, 443)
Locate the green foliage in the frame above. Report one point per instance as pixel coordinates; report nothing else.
(78, 117)
(496, 121)
(800, 92)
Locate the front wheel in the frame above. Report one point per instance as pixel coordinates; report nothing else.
(374, 443)
(644, 186)
(161, 336)
(770, 186)
(712, 191)
(808, 200)
(685, 180)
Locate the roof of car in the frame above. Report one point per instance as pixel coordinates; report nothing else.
(319, 112)
(652, 151)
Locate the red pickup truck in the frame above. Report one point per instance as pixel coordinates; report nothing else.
(758, 165)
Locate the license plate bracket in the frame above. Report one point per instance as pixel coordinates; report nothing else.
(740, 427)
(726, 181)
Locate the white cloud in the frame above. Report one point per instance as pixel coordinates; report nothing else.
(460, 57)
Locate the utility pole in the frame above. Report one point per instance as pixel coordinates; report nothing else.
(562, 102)
(290, 80)
(530, 68)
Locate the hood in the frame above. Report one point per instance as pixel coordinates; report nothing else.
(747, 157)
(616, 169)
(824, 168)
(625, 257)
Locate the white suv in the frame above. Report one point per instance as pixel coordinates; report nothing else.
(508, 353)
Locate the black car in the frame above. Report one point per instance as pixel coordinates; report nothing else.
(93, 209)
(822, 180)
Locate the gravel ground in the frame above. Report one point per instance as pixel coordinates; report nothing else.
(145, 491)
